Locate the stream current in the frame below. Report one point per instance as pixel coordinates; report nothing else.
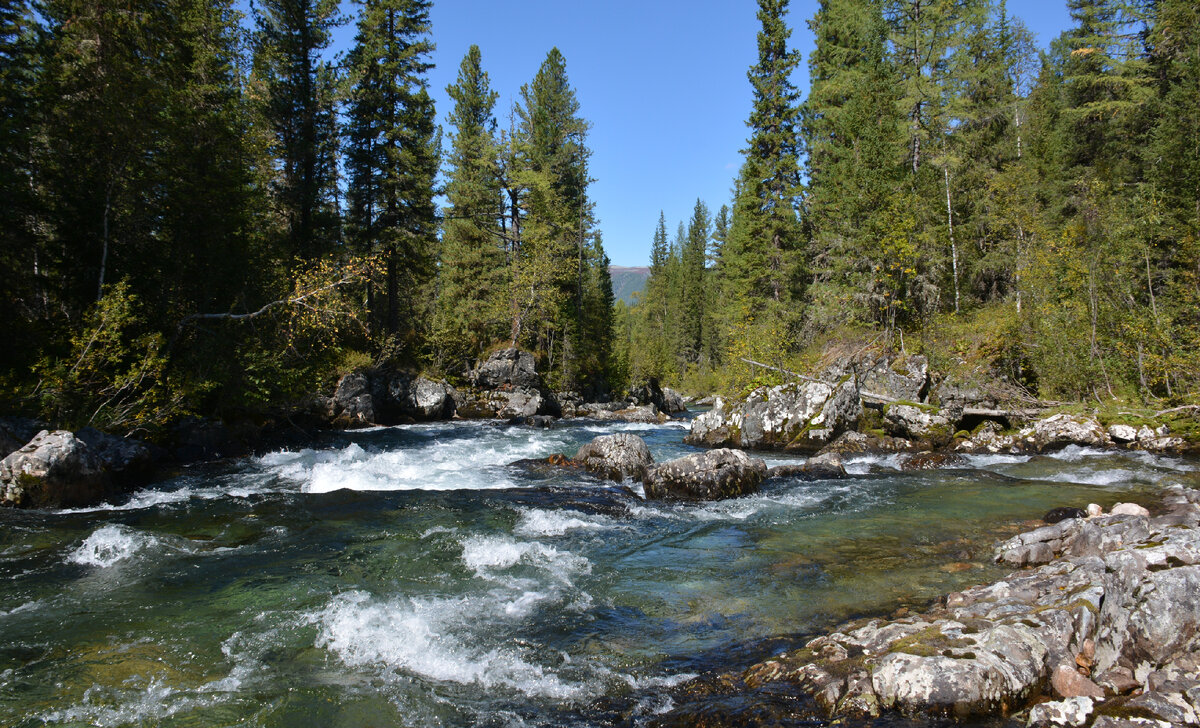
(408, 576)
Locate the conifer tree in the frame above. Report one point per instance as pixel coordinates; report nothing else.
(855, 153)
(393, 158)
(693, 273)
(760, 257)
(299, 106)
(557, 227)
(472, 279)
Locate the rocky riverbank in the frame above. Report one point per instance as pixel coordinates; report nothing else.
(1103, 629)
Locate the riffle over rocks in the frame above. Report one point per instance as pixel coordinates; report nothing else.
(1109, 631)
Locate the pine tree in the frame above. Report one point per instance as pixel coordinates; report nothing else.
(299, 106)
(472, 280)
(393, 158)
(760, 257)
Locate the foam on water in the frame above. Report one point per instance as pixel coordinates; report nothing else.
(453, 463)
(111, 544)
(488, 556)
(538, 522)
(434, 638)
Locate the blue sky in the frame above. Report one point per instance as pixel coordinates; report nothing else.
(663, 84)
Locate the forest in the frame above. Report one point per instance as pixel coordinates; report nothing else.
(202, 215)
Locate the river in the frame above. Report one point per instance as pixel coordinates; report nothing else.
(409, 576)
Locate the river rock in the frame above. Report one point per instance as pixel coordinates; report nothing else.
(507, 368)
(721, 473)
(1058, 431)
(905, 378)
(1129, 509)
(822, 466)
(665, 400)
(355, 401)
(1119, 601)
(1071, 713)
(1122, 433)
(616, 457)
(420, 398)
(806, 416)
(931, 461)
(855, 443)
(1068, 683)
(1056, 515)
(915, 422)
(60, 469)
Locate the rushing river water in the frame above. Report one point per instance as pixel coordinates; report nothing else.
(409, 577)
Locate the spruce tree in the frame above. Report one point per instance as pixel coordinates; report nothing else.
(852, 132)
(693, 274)
(557, 229)
(299, 106)
(392, 159)
(760, 259)
(472, 279)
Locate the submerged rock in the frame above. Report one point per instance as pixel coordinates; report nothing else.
(823, 466)
(616, 457)
(712, 475)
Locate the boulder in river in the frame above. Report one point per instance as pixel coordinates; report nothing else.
(355, 401)
(616, 457)
(420, 398)
(804, 416)
(711, 475)
(59, 469)
(823, 466)
(1119, 603)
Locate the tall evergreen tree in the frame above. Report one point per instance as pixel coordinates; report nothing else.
(760, 257)
(550, 281)
(393, 157)
(472, 279)
(852, 130)
(693, 274)
(299, 106)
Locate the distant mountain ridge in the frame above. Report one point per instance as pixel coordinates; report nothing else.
(627, 280)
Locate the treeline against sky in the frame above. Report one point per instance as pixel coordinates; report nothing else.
(942, 170)
(200, 217)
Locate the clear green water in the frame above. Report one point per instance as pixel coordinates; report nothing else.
(408, 577)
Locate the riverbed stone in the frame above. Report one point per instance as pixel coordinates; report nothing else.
(1070, 713)
(355, 401)
(421, 398)
(59, 469)
(916, 422)
(1116, 599)
(616, 457)
(711, 475)
(802, 416)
